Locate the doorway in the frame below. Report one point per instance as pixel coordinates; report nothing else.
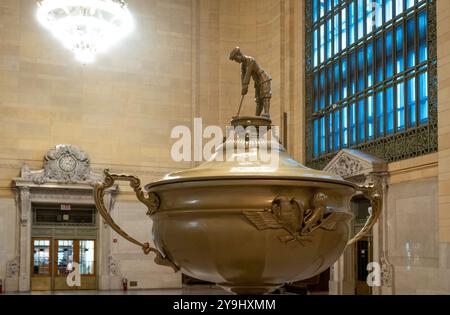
(54, 259)
(363, 258)
(363, 249)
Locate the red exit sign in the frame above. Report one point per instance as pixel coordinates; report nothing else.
(66, 207)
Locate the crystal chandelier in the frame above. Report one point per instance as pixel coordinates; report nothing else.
(86, 27)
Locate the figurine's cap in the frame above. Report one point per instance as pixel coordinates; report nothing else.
(234, 52)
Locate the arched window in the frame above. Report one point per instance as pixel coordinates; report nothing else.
(370, 73)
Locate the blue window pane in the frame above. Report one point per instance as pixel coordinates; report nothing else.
(388, 10)
(316, 138)
(322, 89)
(321, 7)
(315, 49)
(316, 92)
(336, 82)
(361, 115)
(329, 100)
(378, 7)
(423, 36)
(369, 56)
(389, 53)
(344, 113)
(409, 4)
(411, 101)
(361, 69)
(336, 130)
(379, 59)
(329, 37)
(322, 135)
(399, 48)
(390, 110)
(423, 97)
(411, 53)
(344, 77)
(322, 43)
(380, 113)
(352, 64)
(400, 106)
(370, 116)
(352, 124)
(315, 11)
(370, 17)
(344, 28)
(351, 18)
(382, 109)
(336, 34)
(360, 18)
(398, 7)
(330, 132)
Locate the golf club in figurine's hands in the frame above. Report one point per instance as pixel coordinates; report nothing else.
(250, 69)
(248, 226)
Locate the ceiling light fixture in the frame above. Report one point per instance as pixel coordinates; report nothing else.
(86, 27)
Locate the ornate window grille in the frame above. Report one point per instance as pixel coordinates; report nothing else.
(371, 78)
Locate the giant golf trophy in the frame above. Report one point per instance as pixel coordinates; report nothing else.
(247, 224)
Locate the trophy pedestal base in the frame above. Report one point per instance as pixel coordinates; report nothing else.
(249, 289)
(246, 121)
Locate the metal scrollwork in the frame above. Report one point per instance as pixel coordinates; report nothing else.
(291, 215)
(373, 193)
(152, 203)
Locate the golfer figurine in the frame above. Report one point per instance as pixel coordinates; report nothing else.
(251, 69)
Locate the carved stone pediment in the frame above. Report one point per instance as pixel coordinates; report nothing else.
(12, 268)
(64, 163)
(352, 163)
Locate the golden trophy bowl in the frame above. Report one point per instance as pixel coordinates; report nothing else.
(247, 225)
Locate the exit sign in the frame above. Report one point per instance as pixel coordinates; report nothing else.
(65, 207)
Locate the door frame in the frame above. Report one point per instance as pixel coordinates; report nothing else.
(50, 260)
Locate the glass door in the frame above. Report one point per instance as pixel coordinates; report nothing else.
(77, 256)
(41, 269)
(64, 259)
(86, 258)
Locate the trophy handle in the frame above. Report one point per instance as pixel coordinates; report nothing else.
(152, 202)
(370, 192)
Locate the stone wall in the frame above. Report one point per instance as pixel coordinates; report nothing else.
(121, 109)
(443, 56)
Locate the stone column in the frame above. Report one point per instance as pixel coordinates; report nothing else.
(25, 239)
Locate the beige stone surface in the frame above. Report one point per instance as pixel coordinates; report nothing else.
(415, 169)
(133, 264)
(173, 67)
(121, 109)
(419, 258)
(443, 52)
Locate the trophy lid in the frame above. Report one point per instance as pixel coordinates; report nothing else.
(252, 155)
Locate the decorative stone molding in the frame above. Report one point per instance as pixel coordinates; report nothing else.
(12, 268)
(66, 177)
(58, 195)
(346, 166)
(362, 169)
(352, 163)
(24, 205)
(64, 163)
(113, 266)
(386, 272)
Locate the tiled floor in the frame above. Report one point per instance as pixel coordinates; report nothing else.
(194, 290)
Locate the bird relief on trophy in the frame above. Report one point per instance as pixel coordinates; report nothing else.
(295, 218)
